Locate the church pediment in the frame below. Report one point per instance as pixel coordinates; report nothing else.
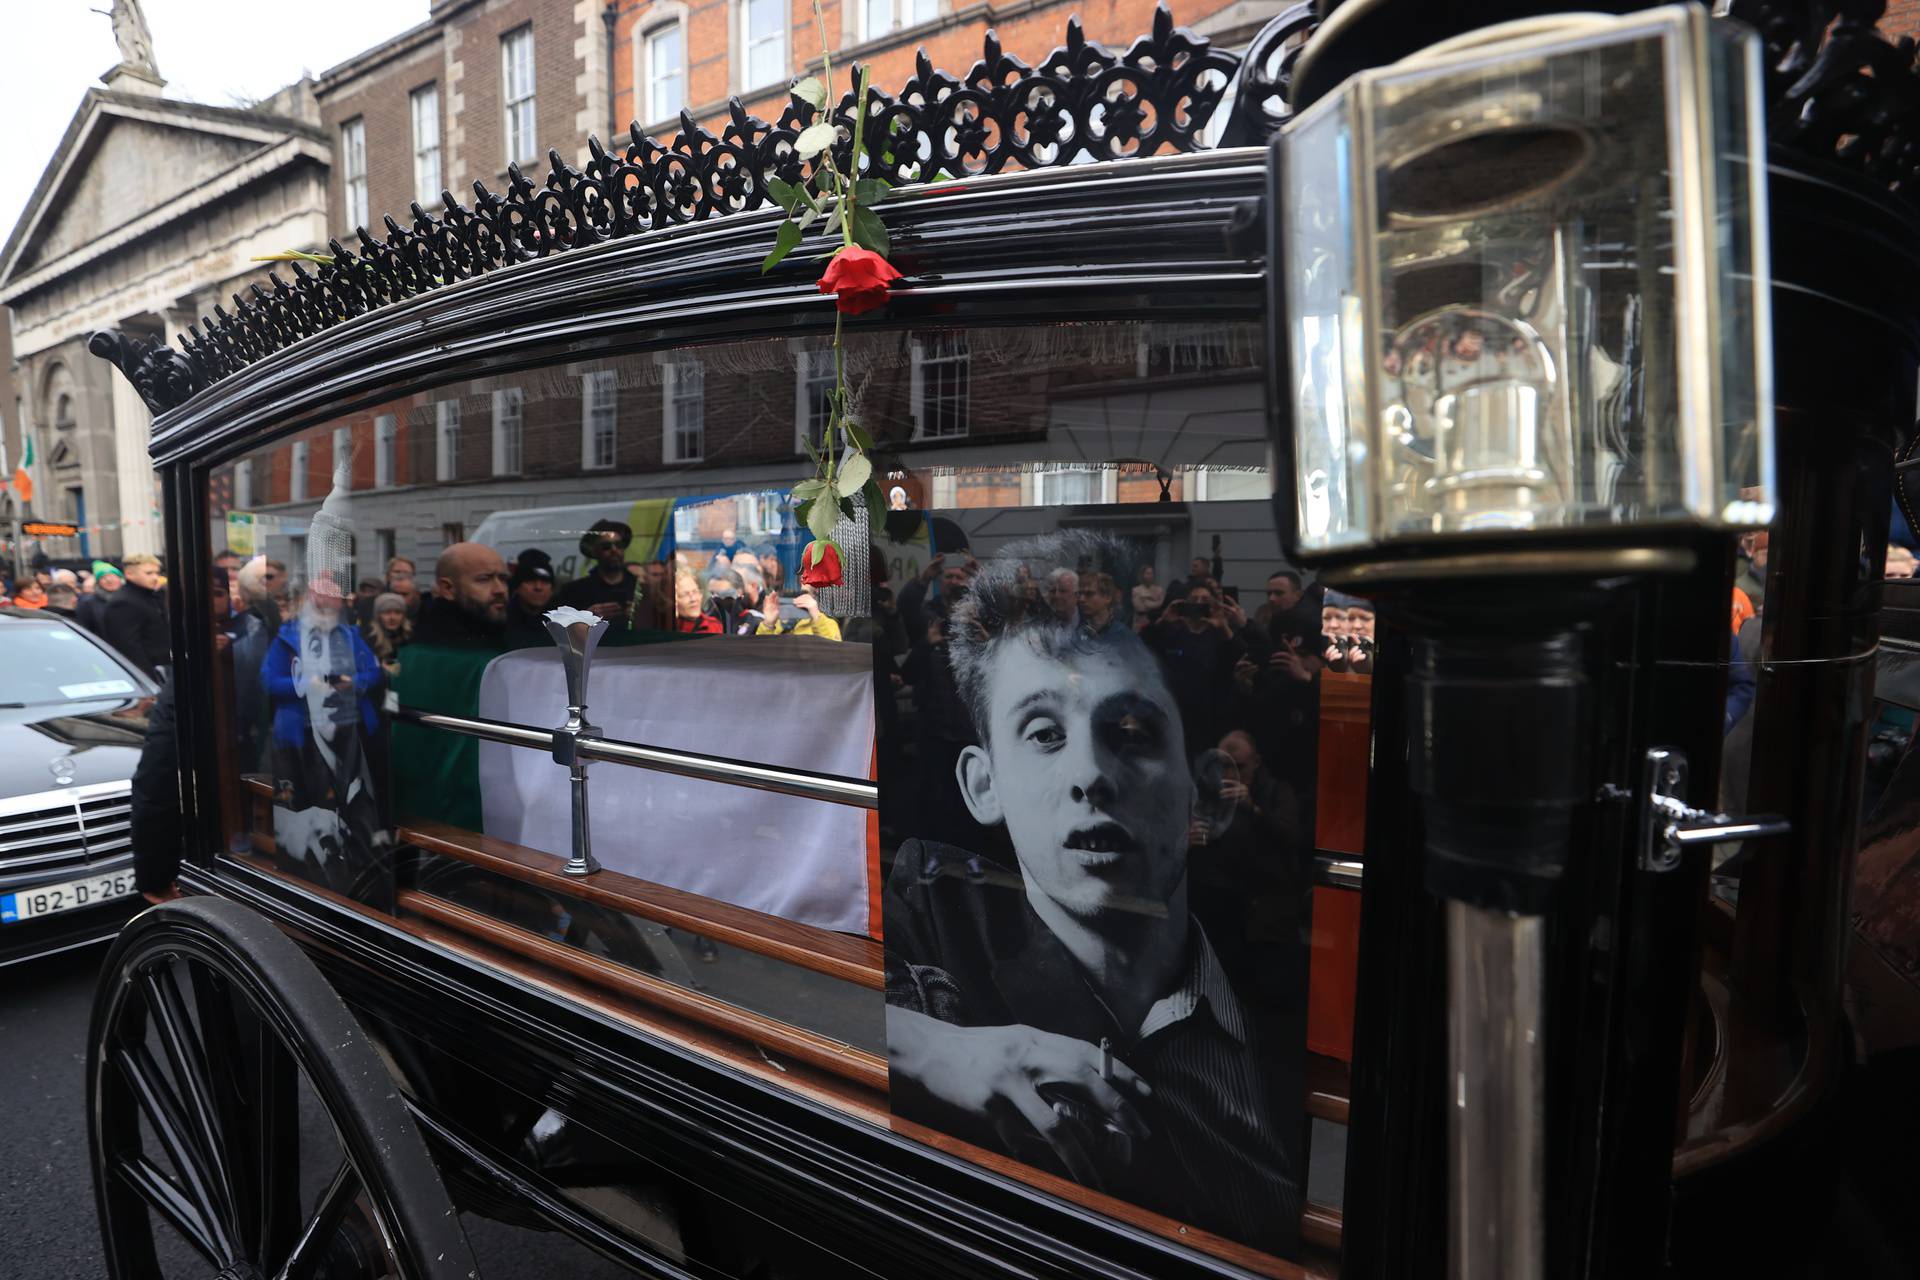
(134, 166)
(123, 156)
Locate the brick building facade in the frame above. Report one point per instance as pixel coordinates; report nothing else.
(707, 51)
(480, 84)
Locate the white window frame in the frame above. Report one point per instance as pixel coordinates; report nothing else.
(386, 450)
(424, 106)
(924, 428)
(900, 15)
(243, 485)
(519, 124)
(812, 366)
(446, 440)
(663, 106)
(509, 430)
(1049, 478)
(297, 464)
(353, 170)
(749, 43)
(1219, 484)
(683, 410)
(599, 419)
(1202, 348)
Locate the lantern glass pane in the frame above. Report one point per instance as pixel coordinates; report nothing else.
(1557, 317)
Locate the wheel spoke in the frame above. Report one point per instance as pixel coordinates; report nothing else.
(249, 1094)
(166, 1200)
(163, 1113)
(186, 1055)
(276, 1135)
(339, 1196)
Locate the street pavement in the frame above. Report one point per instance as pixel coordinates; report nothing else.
(46, 1188)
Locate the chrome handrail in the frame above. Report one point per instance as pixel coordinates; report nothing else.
(856, 792)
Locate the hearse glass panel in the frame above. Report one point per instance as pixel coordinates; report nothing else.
(1119, 745)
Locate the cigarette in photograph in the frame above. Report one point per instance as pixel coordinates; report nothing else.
(1106, 1058)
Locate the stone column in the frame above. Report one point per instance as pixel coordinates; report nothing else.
(134, 479)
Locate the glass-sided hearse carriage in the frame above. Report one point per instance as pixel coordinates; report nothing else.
(1056, 894)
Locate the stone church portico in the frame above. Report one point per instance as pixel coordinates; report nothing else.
(146, 217)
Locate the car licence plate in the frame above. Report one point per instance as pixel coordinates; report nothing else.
(71, 895)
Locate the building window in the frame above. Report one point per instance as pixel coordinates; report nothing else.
(297, 477)
(427, 184)
(941, 367)
(243, 485)
(383, 546)
(452, 532)
(516, 90)
(763, 36)
(684, 438)
(882, 17)
(1187, 349)
(599, 399)
(446, 439)
(343, 452)
(812, 409)
(353, 167)
(386, 450)
(666, 71)
(508, 405)
(1070, 484)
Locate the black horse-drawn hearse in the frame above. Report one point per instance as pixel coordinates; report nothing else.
(1055, 887)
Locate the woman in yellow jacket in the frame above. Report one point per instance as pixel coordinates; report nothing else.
(815, 623)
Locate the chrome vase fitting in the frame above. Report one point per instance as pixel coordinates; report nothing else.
(577, 633)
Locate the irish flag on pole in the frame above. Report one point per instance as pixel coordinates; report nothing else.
(22, 482)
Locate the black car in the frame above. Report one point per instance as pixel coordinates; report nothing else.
(72, 720)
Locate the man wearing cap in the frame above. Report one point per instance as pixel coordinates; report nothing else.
(530, 595)
(134, 620)
(93, 608)
(608, 590)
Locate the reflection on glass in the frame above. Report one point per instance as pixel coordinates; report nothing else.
(1145, 442)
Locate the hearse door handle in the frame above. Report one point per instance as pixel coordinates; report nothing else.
(1669, 826)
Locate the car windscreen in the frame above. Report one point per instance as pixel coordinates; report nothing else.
(49, 664)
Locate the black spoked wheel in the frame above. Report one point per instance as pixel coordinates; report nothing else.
(209, 1027)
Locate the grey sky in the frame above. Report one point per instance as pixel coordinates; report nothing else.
(218, 51)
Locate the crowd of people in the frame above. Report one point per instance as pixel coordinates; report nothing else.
(119, 603)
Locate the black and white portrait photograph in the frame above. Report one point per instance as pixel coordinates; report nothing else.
(1095, 912)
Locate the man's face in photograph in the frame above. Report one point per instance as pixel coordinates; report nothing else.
(1085, 765)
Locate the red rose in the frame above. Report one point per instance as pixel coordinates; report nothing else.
(858, 279)
(820, 565)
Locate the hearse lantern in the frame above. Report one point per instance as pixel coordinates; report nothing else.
(1527, 291)
(1524, 280)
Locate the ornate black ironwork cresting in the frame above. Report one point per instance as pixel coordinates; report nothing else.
(1085, 101)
